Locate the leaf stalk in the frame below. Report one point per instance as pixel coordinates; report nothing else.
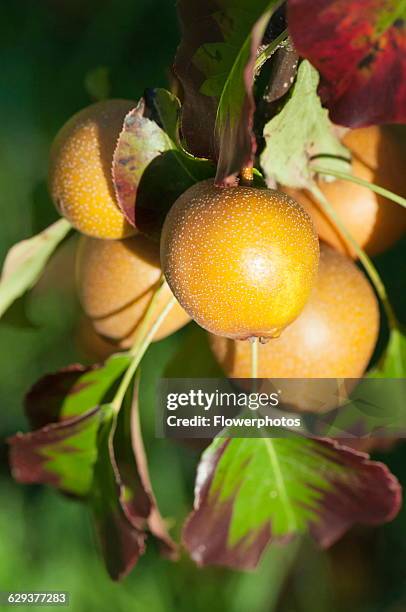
(142, 342)
(363, 257)
(359, 181)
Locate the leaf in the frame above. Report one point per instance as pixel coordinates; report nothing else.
(150, 168)
(299, 132)
(136, 495)
(59, 454)
(72, 390)
(253, 491)
(26, 260)
(215, 64)
(360, 50)
(121, 542)
(393, 364)
(65, 409)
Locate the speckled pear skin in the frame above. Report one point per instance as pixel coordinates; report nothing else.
(375, 222)
(116, 280)
(240, 260)
(334, 336)
(80, 177)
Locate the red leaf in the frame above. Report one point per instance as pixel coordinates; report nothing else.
(43, 402)
(121, 542)
(376, 497)
(359, 49)
(150, 168)
(136, 495)
(215, 63)
(344, 487)
(64, 409)
(198, 110)
(59, 454)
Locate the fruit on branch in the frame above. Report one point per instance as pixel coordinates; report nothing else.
(240, 260)
(375, 222)
(80, 176)
(334, 336)
(116, 281)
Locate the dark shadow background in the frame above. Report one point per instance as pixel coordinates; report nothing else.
(54, 54)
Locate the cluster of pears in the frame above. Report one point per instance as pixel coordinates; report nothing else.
(243, 262)
(117, 269)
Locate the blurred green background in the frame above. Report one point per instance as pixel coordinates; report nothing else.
(55, 57)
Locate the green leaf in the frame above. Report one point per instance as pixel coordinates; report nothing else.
(393, 363)
(165, 107)
(288, 475)
(92, 387)
(59, 454)
(17, 314)
(223, 63)
(65, 407)
(250, 491)
(300, 132)
(72, 391)
(26, 260)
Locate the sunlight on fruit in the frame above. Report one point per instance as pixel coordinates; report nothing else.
(204, 483)
(333, 337)
(80, 170)
(241, 261)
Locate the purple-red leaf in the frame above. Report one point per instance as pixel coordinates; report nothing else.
(64, 409)
(359, 49)
(250, 492)
(71, 391)
(122, 499)
(216, 64)
(60, 454)
(150, 168)
(136, 495)
(372, 496)
(198, 110)
(44, 401)
(121, 542)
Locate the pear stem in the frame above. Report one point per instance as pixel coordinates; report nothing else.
(246, 176)
(149, 313)
(359, 181)
(144, 339)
